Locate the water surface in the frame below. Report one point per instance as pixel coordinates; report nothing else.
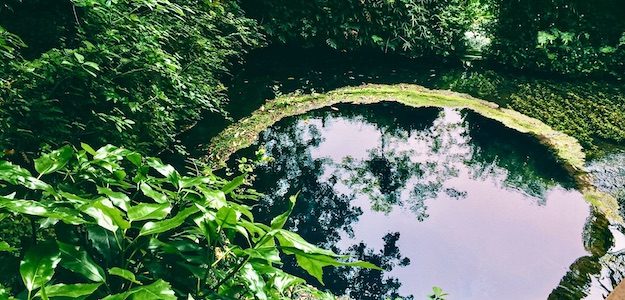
(435, 197)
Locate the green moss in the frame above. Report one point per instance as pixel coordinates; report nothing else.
(568, 150)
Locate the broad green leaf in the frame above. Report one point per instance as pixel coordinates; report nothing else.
(226, 217)
(314, 263)
(92, 65)
(145, 211)
(166, 170)
(254, 281)
(87, 148)
(75, 290)
(118, 198)
(123, 273)
(214, 198)
(34, 208)
(17, 175)
(232, 185)
(169, 224)
(148, 191)
(293, 240)
(37, 267)
(270, 254)
(279, 221)
(78, 261)
(159, 290)
(54, 160)
(79, 57)
(134, 158)
(106, 215)
(186, 182)
(5, 247)
(105, 242)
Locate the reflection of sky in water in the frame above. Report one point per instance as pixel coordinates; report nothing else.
(482, 211)
(494, 244)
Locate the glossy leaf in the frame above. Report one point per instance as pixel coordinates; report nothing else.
(106, 215)
(119, 199)
(147, 211)
(78, 261)
(38, 265)
(123, 273)
(233, 184)
(34, 208)
(159, 290)
(104, 241)
(166, 170)
(5, 247)
(54, 160)
(279, 221)
(226, 217)
(148, 191)
(169, 224)
(75, 290)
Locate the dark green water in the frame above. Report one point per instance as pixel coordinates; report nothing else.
(437, 198)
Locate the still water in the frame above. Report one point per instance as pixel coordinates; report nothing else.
(436, 197)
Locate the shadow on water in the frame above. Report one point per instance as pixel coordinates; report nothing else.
(434, 197)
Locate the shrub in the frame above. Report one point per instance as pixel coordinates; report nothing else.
(568, 37)
(412, 27)
(113, 224)
(132, 73)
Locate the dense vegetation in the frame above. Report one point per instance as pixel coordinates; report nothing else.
(413, 27)
(569, 37)
(132, 73)
(113, 224)
(79, 222)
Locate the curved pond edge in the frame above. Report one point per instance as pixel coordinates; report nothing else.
(567, 149)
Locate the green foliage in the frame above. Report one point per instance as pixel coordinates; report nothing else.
(411, 27)
(125, 226)
(568, 37)
(135, 73)
(438, 294)
(590, 111)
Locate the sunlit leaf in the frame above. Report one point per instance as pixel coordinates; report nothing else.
(106, 215)
(54, 160)
(159, 290)
(75, 290)
(5, 247)
(166, 170)
(226, 217)
(38, 265)
(169, 224)
(123, 273)
(146, 211)
(279, 221)
(35, 208)
(233, 184)
(148, 191)
(118, 198)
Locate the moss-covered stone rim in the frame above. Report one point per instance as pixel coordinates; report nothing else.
(567, 149)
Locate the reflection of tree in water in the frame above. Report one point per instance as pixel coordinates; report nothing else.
(598, 273)
(395, 176)
(321, 213)
(367, 283)
(519, 161)
(414, 160)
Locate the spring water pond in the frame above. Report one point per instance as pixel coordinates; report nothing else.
(436, 197)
